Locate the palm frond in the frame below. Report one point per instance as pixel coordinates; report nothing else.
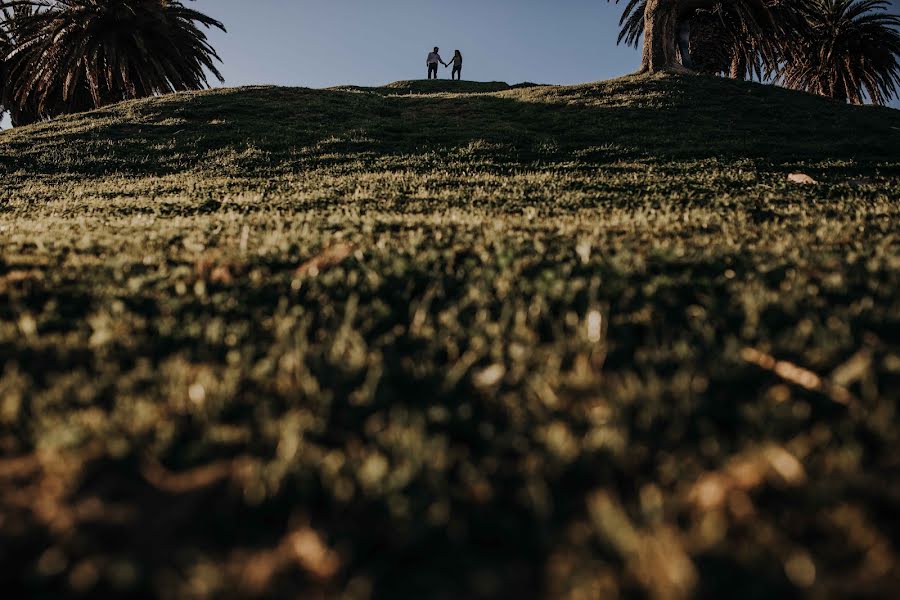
(74, 55)
(847, 49)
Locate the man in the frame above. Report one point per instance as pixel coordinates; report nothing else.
(433, 60)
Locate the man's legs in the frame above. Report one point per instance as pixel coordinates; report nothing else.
(433, 69)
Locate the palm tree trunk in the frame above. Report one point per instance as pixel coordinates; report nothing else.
(661, 25)
(659, 36)
(19, 116)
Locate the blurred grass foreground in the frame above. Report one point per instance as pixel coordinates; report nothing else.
(454, 342)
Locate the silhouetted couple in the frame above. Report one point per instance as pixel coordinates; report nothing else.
(434, 59)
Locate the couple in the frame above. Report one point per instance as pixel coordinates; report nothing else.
(434, 58)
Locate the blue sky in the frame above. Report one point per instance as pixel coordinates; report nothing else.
(320, 43)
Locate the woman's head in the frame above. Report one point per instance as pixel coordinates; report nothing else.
(458, 53)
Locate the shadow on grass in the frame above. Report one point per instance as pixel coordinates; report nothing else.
(263, 131)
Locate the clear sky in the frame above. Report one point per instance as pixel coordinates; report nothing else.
(320, 43)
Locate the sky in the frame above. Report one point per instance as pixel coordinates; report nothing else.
(321, 43)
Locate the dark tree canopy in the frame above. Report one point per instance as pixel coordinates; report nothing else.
(74, 55)
(660, 22)
(848, 50)
(845, 49)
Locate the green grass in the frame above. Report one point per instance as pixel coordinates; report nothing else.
(451, 342)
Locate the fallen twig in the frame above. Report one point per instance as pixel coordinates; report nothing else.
(797, 375)
(188, 481)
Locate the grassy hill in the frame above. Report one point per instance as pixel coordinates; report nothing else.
(452, 341)
(436, 86)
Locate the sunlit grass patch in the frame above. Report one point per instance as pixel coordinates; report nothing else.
(539, 342)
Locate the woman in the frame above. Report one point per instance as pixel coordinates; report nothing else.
(457, 66)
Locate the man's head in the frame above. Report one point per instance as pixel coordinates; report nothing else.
(436, 49)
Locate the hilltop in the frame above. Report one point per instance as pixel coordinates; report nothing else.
(661, 119)
(436, 86)
(437, 340)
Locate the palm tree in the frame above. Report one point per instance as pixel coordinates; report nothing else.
(848, 50)
(666, 27)
(11, 17)
(725, 43)
(845, 49)
(7, 42)
(75, 55)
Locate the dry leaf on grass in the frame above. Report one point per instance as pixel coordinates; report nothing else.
(802, 179)
(327, 259)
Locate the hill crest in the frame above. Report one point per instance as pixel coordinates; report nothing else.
(277, 129)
